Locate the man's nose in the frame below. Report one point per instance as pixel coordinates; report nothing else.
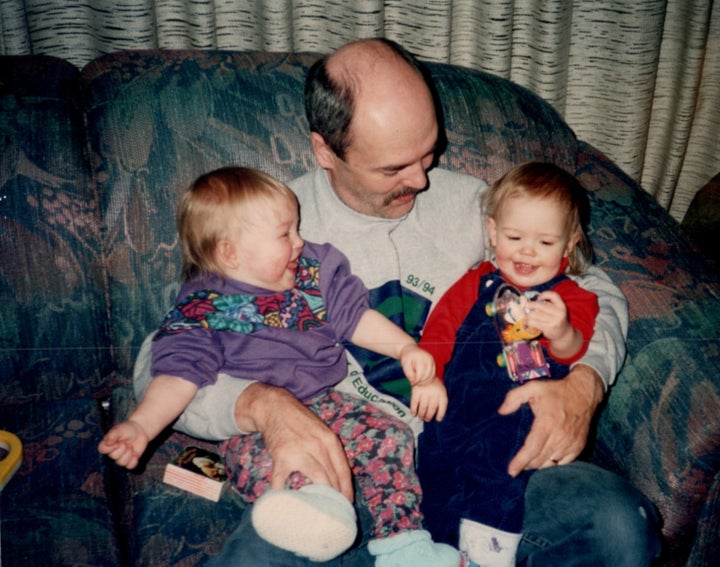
(416, 176)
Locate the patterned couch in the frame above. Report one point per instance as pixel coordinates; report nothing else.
(91, 163)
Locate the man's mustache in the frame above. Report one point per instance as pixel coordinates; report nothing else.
(402, 193)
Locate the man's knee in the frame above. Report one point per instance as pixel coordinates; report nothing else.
(141, 372)
(589, 513)
(211, 413)
(629, 522)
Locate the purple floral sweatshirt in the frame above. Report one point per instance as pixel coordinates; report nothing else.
(291, 339)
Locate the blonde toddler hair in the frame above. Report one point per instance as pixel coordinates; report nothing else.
(547, 181)
(213, 204)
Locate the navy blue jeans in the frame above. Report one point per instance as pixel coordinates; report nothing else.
(575, 515)
(582, 515)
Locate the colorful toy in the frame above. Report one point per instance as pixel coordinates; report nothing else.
(522, 353)
(10, 463)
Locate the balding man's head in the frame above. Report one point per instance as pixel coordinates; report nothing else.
(368, 71)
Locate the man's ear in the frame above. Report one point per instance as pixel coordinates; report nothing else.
(323, 153)
(225, 255)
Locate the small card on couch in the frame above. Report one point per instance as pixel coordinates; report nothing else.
(198, 471)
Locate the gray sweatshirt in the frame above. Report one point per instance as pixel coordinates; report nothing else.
(407, 264)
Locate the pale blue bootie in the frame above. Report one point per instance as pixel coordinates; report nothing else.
(413, 549)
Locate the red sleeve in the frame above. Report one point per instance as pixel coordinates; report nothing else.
(438, 337)
(583, 308)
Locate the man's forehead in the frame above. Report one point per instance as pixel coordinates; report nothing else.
(390, 144)
(386, 157)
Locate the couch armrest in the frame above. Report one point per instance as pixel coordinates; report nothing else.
(659, 427)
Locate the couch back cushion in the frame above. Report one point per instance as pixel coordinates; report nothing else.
(493, 124)
(53, 328)
(158, 119)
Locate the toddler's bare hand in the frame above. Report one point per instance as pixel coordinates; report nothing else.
(429, 401)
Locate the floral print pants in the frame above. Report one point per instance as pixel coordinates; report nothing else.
(379, 447)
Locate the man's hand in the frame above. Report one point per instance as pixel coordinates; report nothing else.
(563, 412)
(295, 437)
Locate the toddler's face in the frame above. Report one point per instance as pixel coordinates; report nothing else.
(530, 238)
(268, 246)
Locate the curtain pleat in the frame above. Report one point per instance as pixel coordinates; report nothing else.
(683, 140)
(15, 36)
(639, 80)
(541, 46)
(613, 71)
(704, 143)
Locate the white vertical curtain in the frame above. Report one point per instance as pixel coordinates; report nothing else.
(639, 80)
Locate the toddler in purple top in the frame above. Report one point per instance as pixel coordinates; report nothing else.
(260, 303)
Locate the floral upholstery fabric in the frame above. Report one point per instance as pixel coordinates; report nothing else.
(659, 427)
(54, 334)
(92, 165)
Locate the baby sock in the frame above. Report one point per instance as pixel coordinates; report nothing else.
(315, 521)
(412, 549)
(485, 546)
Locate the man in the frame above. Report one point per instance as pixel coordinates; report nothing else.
(410, 230)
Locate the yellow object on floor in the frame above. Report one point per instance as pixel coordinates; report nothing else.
(10, 463)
